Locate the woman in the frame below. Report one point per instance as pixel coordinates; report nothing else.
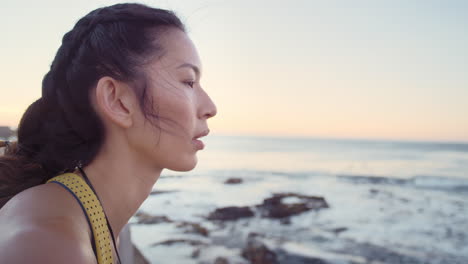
(121, 102)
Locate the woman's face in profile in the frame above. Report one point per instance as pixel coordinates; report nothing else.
(179, 101)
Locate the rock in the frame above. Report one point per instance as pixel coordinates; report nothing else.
(194, 228)
(160, 192)
(274, 207)
(233, 181)
(145, 218)
(257, 253)
(173, 241)
(290, 258)
(338, 230)
(404, 200)
(230, 213)
(196, 253)
(374, 253)
(221, 260)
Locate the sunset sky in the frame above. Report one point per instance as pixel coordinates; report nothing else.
(337, 69)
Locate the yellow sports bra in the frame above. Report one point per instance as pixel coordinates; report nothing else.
(94, 214)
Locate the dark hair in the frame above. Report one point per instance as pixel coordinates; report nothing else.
(61, 130)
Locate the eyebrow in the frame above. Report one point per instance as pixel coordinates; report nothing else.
(191, 66)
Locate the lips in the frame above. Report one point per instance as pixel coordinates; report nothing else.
(202, 134)
(198, 143)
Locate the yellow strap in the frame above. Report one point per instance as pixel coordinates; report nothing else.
(94, 211)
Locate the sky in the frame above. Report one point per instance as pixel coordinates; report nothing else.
(333, 69)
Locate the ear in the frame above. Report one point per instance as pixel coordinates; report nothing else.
(115, 101)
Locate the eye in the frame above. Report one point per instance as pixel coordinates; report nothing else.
(190, 83)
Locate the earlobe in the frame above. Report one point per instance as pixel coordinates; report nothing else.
(114, 102)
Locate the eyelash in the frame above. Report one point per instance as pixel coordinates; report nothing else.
(190, 83)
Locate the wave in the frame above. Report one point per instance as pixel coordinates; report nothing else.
(418, 181)
(372, 179)
(440, 182)
(256, 173)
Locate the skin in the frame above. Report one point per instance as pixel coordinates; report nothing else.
(134, 153)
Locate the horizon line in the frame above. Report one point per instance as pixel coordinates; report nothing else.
(317, 137)
(322, 137)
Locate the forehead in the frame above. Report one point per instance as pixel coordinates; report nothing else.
(178, 49)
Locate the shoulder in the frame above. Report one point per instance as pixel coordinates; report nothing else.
(44, 224)
(40, 244)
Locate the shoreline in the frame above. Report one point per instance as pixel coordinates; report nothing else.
(174, 225)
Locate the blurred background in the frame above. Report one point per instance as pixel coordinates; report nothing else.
(341, 134)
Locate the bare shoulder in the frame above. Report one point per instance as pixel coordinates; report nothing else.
(44, 224)
(42, 200)
(40, 244)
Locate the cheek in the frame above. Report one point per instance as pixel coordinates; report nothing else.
(178, 128)
(166, 137)
(177, 115)
(166, 147)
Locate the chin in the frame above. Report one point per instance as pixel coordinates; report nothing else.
(184, 164)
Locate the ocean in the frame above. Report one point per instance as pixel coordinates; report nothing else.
(388, 202)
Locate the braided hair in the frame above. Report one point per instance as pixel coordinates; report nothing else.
(61, 129)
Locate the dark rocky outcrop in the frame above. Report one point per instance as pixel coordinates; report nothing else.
(274, 207)
(289, 258)
(193, 228)
(147, 219)
(338, 230)
(195, 253)
(160, 192)
(173, 241)
(230, 213)
(233, 181)
(221, 260)
(257, 253)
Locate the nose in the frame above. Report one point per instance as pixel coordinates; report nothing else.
(208, 108)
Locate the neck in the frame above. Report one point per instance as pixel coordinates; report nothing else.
(121, 184)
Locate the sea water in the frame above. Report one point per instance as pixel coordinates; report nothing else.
(397, 201)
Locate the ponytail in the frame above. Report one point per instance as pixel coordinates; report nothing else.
(18, 170)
